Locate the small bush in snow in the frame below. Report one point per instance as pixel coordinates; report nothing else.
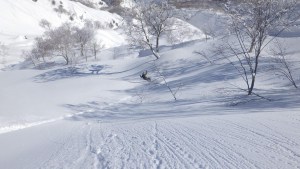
(98, 25)
(61, 10)
(53, 2)
(45, 24)
(71, 18)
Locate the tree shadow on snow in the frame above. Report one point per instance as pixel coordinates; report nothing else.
(281, 101)
(94, 111)
(67, 72)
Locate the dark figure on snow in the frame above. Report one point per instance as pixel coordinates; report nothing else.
(144, 76)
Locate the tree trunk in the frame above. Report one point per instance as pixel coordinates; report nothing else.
(66, 57)
(255, 69)
(67, 60)
(154, 51)
(155, 54)
(295, 85)
(157, 44)
(95, 51)
(81, 50)
(44, 59)
(252, 85)
(252, 45)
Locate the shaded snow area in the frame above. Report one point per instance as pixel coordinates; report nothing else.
(67, 116)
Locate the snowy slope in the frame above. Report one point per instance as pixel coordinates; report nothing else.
(116, 120)
(236, 141)
(67, 117)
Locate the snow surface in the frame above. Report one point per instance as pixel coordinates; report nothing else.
(67, 117)
(234, 141)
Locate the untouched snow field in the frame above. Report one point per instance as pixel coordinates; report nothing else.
(67, 117)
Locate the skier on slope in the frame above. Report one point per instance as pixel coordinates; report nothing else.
(145, 77)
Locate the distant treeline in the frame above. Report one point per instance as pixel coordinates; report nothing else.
(216, 4)
(198, 3)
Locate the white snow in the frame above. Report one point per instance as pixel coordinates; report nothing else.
(127, 3)
(67, 117)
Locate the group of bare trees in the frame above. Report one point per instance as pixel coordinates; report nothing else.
(147, 21)
(251, 23)
(66, 41)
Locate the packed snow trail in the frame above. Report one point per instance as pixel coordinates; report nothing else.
(266, 140)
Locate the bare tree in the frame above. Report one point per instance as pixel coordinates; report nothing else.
(257, 17)
(96, 48)
(83, 36)
(151, 19)
(66, 41)
(63, 41)
(3, 51)
(281, 65)
(43, 48)
(160, 75)
(163, 77)
(252, 22)
(45, 24)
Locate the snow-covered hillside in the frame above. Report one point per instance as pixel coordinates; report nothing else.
(20, 24)
(67, 116)
(22, 17)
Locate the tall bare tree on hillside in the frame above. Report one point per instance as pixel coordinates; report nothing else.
(147, 21)
(63, 41)
(83, 36)
(252, 21)
(255, 17)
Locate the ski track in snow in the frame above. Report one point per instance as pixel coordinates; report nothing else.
(21, 126)
(211, 142)
(15, 127)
